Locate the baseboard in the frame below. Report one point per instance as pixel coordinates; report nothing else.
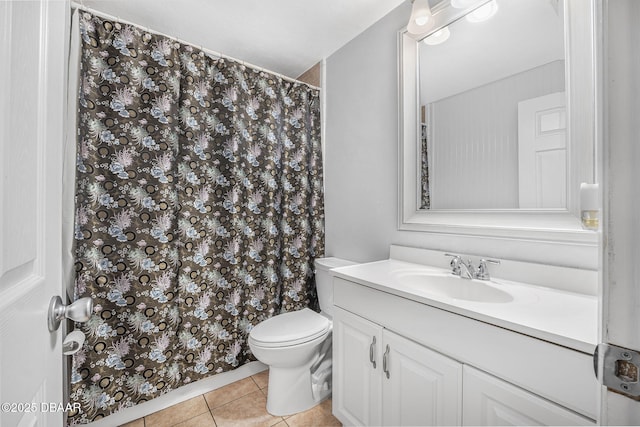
(179, 395)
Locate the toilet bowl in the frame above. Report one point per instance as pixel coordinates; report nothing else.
(297, 348)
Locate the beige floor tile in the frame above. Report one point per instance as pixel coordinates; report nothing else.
(231, 392)
(261, 378)
(203, 420)
(135, 423)
(177, 413)
(319, 415)
(250, 410)
(281, 424)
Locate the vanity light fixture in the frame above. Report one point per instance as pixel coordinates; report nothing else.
(421, 18)
(438, 37)
(483, 12)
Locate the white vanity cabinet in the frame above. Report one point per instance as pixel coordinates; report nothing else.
(382, 378)
(447, 369)
(489, 401)
(423, 386)
(357, 382)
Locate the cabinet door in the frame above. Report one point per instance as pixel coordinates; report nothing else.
(423, 387)
(488, 400)
(356, 382)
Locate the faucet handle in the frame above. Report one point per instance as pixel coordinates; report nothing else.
(482, 273)
(455, 263)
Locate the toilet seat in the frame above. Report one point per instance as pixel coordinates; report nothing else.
(287, 329)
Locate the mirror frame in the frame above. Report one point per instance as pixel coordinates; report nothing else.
(553, 225)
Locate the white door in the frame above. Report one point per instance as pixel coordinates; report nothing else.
(32, 101)
(489, 401)
(423, 387)
(621, 194)
(357, 368)
(542, 152)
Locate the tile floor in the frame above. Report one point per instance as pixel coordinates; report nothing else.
(242, 403)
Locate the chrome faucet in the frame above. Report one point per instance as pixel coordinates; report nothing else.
(461, 268)
(482, 273)
(465, 269)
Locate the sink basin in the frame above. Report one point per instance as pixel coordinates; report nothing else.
(450, 286)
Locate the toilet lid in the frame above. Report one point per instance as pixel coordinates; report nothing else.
(291, 328)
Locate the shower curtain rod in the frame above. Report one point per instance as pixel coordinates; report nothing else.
(80, 6)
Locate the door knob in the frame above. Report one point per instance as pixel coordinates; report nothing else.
(78, 311)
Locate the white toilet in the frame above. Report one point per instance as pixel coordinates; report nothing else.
(297, 348)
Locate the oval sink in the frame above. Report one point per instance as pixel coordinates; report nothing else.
(454, 287)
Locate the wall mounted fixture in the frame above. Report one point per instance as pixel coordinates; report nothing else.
(438, 37)
(483, 12)
(421, 18)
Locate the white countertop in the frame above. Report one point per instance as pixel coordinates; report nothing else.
(565, 318)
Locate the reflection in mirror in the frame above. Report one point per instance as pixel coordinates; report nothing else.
(492, 99)
(474, 192)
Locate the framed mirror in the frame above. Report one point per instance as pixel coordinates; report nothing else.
(497, 120)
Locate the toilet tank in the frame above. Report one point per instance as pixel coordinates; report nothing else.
(324, 284)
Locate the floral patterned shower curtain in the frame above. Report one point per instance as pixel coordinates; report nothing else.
(199, 211)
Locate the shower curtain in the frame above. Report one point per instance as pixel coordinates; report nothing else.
(199, 211)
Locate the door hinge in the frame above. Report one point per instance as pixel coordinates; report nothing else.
(617, 368)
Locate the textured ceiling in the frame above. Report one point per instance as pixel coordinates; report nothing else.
(285, 36)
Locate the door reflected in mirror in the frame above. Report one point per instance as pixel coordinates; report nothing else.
(492, 97)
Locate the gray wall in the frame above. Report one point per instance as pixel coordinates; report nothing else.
(361, 142)
(361, 161)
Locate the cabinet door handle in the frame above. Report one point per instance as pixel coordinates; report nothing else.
(384, 361)
(372, 349)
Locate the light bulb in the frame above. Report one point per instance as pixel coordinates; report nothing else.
(438, 37)
(483, 12)
(420, 20)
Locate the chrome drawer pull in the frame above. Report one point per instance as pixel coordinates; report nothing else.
(384, 362)
(372, 348)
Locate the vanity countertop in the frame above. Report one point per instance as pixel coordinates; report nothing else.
(565, 318)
